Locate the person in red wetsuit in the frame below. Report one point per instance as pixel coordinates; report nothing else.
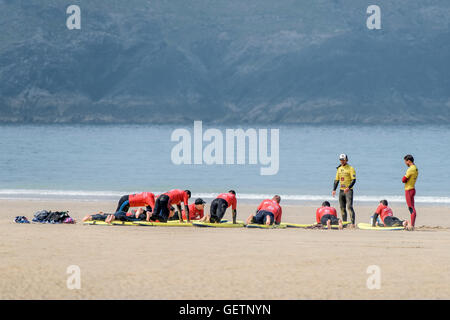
(268, 212)
(196, 211)
(327, 215)
(164, 201)
(219, 207)
(387, 216)
(143, 199)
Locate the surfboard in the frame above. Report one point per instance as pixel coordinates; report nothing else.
(312, 225)
(218, 225)
(333, 226)
(367, 226)
(173, 223)
(265, 226)
(228, 221)
(115, 223)
(296, 225)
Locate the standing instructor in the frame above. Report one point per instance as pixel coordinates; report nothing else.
(409, 179)
(346, 177)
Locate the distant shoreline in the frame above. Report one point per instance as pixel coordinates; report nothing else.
(287, 199)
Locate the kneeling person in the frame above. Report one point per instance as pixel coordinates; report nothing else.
(387, 217)
(327, 215)
(164, 202)
(143, 199)
(219, 207)
(268, 212)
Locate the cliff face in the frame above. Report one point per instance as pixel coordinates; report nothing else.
(221, 61)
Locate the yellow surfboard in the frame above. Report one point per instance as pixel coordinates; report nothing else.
(228, 221)
(367, 226)
(174, 223)
(218, 225)
(296, 225)
(114, 223)
(265, 226)
(312, 225)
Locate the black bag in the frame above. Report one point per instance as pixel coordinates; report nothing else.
(41, 215)
(57, 216)
(45, 216)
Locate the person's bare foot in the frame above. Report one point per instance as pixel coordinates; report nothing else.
(249, 220)
(87, 218)
(341, 226)
(109, 219)
(329, 224)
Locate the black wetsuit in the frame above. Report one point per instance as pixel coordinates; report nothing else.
(218, 208)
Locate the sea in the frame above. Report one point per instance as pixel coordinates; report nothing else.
(103, 162)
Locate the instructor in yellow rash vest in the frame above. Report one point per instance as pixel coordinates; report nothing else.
(409, 179)
(346, 177)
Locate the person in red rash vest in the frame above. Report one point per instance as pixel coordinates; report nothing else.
(327, 215)
(143, 199)
(196, 211)
(164, 201)
(387, 216)
(268, 212)
(409, 179)
(219, 207)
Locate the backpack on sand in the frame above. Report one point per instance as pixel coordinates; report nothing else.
(45, 216)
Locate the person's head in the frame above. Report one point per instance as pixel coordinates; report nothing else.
(171, 211)
(200, 203)
(384, 202)
(343, 158)
(148, 209)
(326, 204)
(188, 193)
(276, 198)
(232, 192)
(409, 160)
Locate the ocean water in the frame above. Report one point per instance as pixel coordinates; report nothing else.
(105, 161)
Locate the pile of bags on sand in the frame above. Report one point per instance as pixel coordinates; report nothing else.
(45, 216)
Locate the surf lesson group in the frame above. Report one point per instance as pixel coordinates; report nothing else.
(157, 210)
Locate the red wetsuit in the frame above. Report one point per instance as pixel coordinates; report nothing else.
(271, 206)
(323, 211)
(230, 199)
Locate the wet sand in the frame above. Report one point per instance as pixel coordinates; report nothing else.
(127, 262)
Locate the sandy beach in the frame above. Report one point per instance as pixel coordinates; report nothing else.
(126, 262)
